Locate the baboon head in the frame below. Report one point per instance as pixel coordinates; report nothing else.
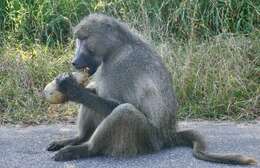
(97, 37)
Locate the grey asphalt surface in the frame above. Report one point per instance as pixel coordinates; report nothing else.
(24, 147)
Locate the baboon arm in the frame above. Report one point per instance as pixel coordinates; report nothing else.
(75, 93)
(86, 97)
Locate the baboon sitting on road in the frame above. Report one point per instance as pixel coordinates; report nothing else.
(132, 107)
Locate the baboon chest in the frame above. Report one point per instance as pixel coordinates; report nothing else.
(108, 88)
(115, 86)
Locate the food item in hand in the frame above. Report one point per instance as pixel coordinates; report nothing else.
(53, 96)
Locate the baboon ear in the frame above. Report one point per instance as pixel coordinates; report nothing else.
(73, 29)
(80, 32)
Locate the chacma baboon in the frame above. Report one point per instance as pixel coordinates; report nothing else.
(132, 109)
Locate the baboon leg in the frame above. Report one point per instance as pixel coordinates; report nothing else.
(87, 123)
(126, 131)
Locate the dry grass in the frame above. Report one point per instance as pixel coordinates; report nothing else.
(214, 79)
(218, 78)
(24, 72)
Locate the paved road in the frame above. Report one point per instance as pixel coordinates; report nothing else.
(25, 147)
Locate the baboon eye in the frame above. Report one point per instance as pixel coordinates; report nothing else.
(82, 37)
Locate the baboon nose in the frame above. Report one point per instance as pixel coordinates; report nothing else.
(75, 64)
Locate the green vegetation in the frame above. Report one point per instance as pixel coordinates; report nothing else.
(211, 48)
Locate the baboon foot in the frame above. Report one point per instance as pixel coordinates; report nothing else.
(56, 145)
(72, 153)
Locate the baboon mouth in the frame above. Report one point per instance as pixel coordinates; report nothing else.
(85, 69)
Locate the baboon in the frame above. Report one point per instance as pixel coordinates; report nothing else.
(131, 108)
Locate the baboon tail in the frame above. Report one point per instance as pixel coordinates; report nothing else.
(194, 139)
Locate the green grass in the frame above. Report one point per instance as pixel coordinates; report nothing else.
(49, 21)
(210, 47)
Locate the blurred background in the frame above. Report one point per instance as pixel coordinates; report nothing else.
(211, 48)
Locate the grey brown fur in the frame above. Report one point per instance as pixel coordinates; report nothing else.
(132, 109)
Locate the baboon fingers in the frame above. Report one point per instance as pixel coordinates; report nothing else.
(54, 146)
(65, 83)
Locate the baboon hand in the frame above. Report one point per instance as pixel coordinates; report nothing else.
(67, 85)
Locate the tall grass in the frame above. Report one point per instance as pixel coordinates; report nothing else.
(217, 79)
(51, 20)
(210, 47)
